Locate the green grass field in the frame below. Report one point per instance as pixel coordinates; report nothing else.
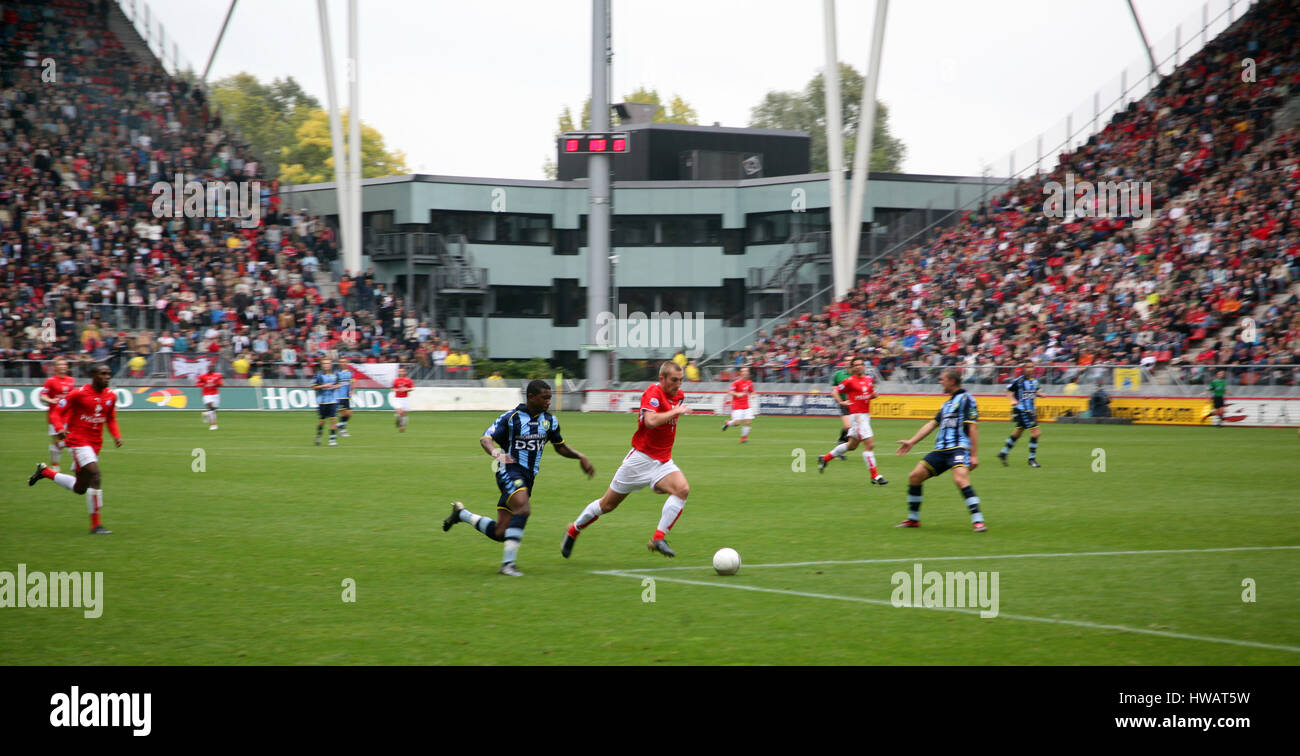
(244, 563)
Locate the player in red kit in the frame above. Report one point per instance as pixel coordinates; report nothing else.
(56, 387)
(650, 463)
(742, 413)
(80, 417)
(857, 391)
(402, 387)
(211, 383)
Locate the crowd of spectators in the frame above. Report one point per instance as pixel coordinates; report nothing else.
(88, 268)
(1008, 283)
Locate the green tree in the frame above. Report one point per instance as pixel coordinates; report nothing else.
(677, 110)
(806, 111)
(309, 159)
(267, 115)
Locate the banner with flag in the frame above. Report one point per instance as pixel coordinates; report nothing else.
(373, 374)
(191, 366)
(1128, 378)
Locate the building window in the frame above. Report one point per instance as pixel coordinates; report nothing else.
(667, 230)
(637, 298)
(522, 301)
(733, 241)
(570, 301)
(778, 228)
(493, 228)
(381, 221)
(568, 240)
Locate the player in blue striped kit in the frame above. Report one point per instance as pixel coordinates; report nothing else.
(955, 448)
(344, 396)
(1023, 391)
(326, 383)
(516, 440)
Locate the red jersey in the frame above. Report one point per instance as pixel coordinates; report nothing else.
(403, 387)
(56, 387)
(656, 443)
(744, 386)
(211, 383)
(83, 413)
(856, 389)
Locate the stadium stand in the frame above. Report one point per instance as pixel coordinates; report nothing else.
(88, 271)
(1223, 159)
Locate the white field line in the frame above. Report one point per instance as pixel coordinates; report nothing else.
(1023, 617)
(640, 574)
(1047, 555)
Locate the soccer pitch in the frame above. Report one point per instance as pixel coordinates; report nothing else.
(245, 561)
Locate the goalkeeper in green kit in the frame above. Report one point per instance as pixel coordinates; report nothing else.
(841, 373)
(1218, 389)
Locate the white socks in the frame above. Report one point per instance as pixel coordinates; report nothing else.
(94, 500)
(66, 480)
(744, 430)
(672, 510)
(56, 454)
(590, 513)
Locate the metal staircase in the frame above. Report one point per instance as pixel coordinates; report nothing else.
(807, 248)
(455, 278)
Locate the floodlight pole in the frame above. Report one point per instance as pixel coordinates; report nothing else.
(1151, 56)
(352, 254)
(336, 134)
(220, 36)
(862, 150)
(598, 262)
(835, 152)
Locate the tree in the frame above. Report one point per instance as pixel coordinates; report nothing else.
(806, 111)
(677, 111)
(310, 157)
(266, 115)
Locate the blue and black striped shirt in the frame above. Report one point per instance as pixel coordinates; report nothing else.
(952, 418)
(1025, 390)
(523, 436)
(325, 395)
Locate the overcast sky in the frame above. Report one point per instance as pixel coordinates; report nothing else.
(474, 88)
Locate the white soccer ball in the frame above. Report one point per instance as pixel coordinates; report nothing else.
(726, 562)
